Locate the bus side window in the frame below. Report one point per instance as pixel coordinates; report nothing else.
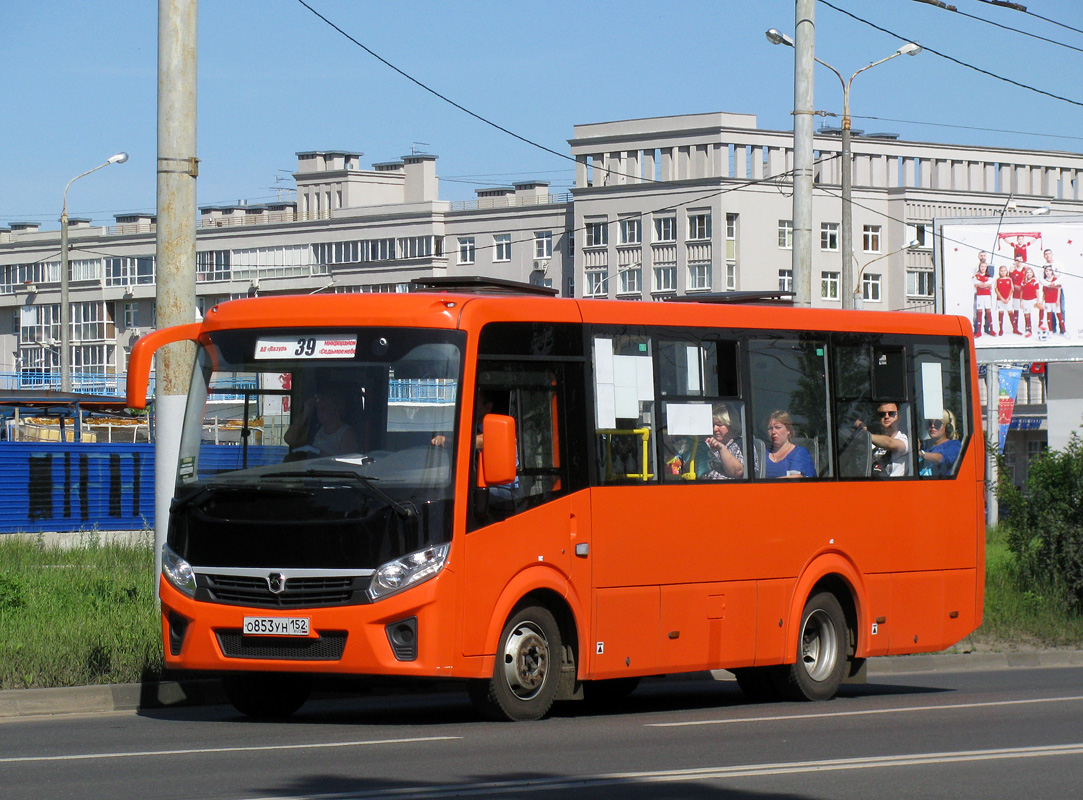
(624, 407)
(789, 389)
(870, 376)
(943, 418)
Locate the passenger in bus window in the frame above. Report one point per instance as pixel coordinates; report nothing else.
(784, 458)
(890, 446)
(322, 430)
(726, 460)
(941, 450)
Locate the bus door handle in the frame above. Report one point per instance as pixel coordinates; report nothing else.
(582, 550)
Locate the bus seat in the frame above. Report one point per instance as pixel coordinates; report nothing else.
(759, 457)
(813, 447)
(855, 461)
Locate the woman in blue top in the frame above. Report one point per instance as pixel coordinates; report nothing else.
(784, 458)
(942, 448)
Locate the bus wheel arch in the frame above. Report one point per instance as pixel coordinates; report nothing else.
(823, 635)
(535, 661)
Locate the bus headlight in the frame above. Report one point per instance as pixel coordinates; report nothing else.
(410, 570)
(178, 571)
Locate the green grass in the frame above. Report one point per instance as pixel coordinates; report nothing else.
(87, 615)
(1017, 618)
(77, 616)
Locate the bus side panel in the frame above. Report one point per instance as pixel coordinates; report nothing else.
(960, 586)
(707, 625)
(773, 598)
(915, 623)
(626, 637)
(874, 639)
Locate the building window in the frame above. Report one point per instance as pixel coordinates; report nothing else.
(416, 246)
(502, 243)
(731, 237)
(665, 229)
(131, 315)
(631, 281)
(129, 271)
(597, 234)
(597, 281)
(699, 226)
(699, 277)
(665, 278)
(631, 230)
(785, 280)
(731, 277)
(870, 238)
(785, 234)
(919, 283)
(543, 244)
(467, 250)
(829, 236)
(829, 285)
(213, 265)
(870, 288)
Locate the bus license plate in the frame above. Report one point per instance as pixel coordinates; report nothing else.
(275, 626)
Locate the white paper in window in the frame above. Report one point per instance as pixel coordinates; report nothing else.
(932, 390)
(688, 419)
(626, 386)
(604, 391)
(692, 355)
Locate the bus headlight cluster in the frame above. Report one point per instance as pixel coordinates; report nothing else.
(178, 571)
(410, 570)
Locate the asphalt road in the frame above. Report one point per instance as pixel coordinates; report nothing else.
(978, 734)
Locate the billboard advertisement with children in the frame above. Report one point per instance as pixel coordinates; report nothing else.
(1019, 281)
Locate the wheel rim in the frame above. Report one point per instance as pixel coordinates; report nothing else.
(526, 660)
(819, 645)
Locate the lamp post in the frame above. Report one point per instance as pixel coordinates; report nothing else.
(65, 310)
(857, 298)
(775, 36)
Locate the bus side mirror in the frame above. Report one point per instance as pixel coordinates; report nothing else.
(497, 464)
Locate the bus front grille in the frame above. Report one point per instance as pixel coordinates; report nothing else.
(306, 592)
(328, 647)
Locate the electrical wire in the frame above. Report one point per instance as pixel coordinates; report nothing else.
(1014, 30)
(966, 127)
(952, 59)
(1026, 11)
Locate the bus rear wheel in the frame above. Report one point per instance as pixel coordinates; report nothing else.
(265, 695)
(821, 652)
(527, 670)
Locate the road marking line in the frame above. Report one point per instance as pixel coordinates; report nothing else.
(902, 709)
(694, 774)
(206, 750)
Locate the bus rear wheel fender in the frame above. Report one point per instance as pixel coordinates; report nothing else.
(834, 573)
(527, 669)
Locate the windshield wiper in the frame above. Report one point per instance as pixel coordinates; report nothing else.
(402, 509)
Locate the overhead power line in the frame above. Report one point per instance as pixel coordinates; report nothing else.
(952, 59)
(1023, 9)
(1015, 6)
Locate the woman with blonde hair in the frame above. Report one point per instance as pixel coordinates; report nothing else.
(726, 461)
(941, 450)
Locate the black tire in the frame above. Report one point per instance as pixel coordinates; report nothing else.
(821, 652)
(526, 674)
(267, 696)
(604, 693)
(758, 683)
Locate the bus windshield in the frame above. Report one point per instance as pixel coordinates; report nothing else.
(353, 427)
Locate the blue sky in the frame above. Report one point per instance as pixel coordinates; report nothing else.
(80, 78)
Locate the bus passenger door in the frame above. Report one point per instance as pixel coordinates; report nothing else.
(522, 536)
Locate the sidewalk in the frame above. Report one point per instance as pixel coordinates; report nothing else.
(134, 696)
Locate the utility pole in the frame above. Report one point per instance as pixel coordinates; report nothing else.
(176, 241)
(804, 52)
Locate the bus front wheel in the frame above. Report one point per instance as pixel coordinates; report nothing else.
(527, 669)
(821, 652)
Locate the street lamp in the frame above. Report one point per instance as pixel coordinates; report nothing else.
(774, 36)
(65, 311)
(857, 298)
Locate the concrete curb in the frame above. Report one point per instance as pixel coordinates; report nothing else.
(171, 694)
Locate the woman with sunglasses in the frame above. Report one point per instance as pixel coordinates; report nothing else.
(890, 446)
(941, 450)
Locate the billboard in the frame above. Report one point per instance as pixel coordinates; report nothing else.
(1019, 281)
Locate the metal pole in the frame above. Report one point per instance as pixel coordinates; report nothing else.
(849, 290)
(65, 308)
(176, 240)
(804, 46)
(992, 437)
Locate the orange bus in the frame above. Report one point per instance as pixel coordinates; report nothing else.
(552, 498)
